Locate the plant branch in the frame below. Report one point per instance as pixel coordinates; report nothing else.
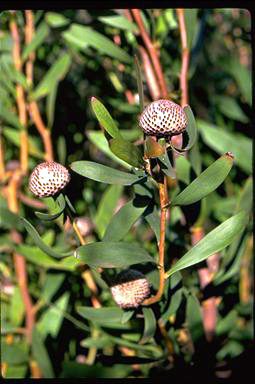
(20, 96)
(152, 52)
(185, 57)
(163, 209)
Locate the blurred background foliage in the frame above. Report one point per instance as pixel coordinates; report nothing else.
(85, 53)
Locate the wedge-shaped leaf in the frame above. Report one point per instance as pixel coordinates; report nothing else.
(246, 197)
(99, 140)
(107, 205)
(14, 136)
(9, 117)
(127, 315)
(213, 242)
(60, 208)
(39, 242)
(150, 325)
(119, 21)
(166, 165)
(56, 73)
(110, 254)
(230, 108)
(96, 40)
(191, 129)
(104, 118)
(40, 354)
(127, 151)
(40, 35)
(122, 221)
(175, 303)
(195, 158)
(102, 173)
(101, 315)
(206, 182)
(17, 307)
(222, 141)
(153, 350)
(56, 20)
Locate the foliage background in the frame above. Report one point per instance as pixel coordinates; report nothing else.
(219, 82)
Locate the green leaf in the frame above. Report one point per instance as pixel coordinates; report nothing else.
(195, 158)
(191, 130)
(40, 354)
(106, 207)
(9, 219)
(175, 303)
(56, 73)
(122, 221)
(127, 152)
(109, 254)
(103, 174)
(227, 323)
(246, 196)
(241, 74)
(153, 219)
(15, 353)
(85, 35)
(51, 285)
(14, 136)
(230, 108)
(38, 257)
(17, 309)
(127, 315)
(206, 182)
(102, 315)
(213, 242)
(182, 169)
(60, 208)
(222, 141)
(232, 348)
(191, 23)
(194, 318)
(50, 106)
(150, 325)
(99, 140)
(40, 35)
(10, 117)
(51, 320)
(56, 20)
(119, 21)
(39, 242)
(104, 118)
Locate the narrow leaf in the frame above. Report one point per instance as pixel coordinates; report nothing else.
(40, 354)
(149, 325)
(206, 182)
(104, 118)
(119, 21)
(60, 208)
(39, 242)
(122, 221)
(56, 20)
(40, 35)
(222, 141)
(108, 254)
(56, 73)
(101, 315)
(191, 129)
(96, 40)
(13, 135)
(127, 152)
(107, 205)
(102, 173)
(99, 140)
(213, 242)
